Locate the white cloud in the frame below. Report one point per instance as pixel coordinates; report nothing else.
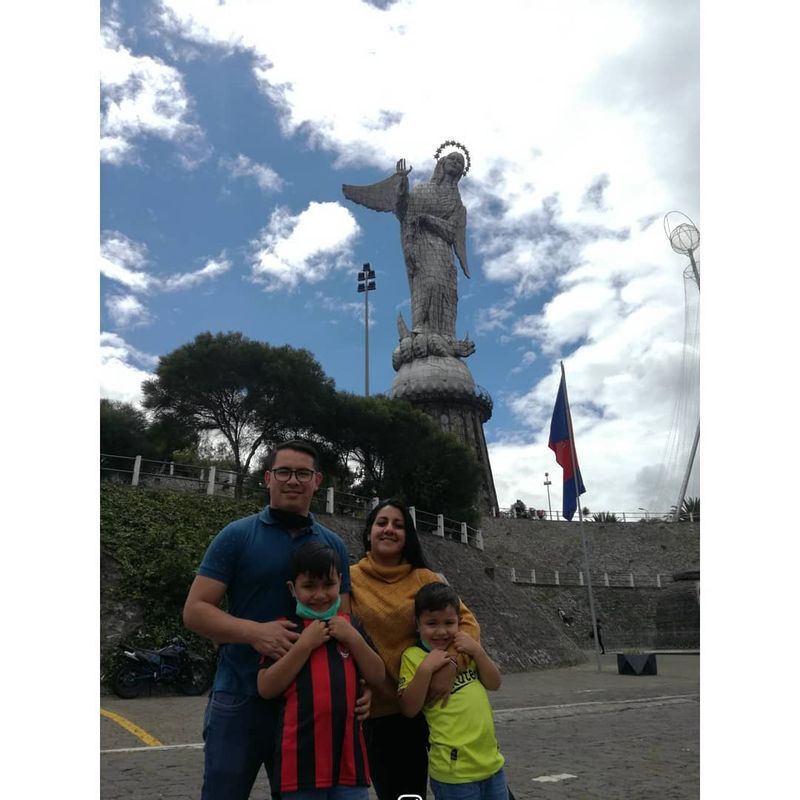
(303, 247)
(582, 122)
(127, 311)
(493, 318)
(123, 260)
(188, 280)
(243, 167)
(142, 96)
(122, 369)
(528, 357)
(354, 311)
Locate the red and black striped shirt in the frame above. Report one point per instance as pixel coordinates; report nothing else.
(319, 742)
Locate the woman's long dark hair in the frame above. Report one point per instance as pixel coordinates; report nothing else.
(412, 550)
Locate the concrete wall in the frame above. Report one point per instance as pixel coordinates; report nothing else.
(521, 626)
(640, 547)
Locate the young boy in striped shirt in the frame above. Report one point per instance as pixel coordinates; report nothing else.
(320, 751)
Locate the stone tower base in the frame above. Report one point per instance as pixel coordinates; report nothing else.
(443, 387)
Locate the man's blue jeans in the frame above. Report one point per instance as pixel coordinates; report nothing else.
(239, 735)
(493, 788)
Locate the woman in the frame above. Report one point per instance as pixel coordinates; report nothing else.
(384, 584)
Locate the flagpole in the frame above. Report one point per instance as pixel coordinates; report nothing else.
(580, 517)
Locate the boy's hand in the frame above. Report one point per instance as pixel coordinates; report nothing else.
(341, 630)
(434, 660)
(315, 634)
(464, 643)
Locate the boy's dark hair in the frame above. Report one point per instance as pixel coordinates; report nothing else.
(435, 597)
(293, 444)
(315, 559)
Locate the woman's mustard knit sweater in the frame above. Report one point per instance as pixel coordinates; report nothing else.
(383, 599)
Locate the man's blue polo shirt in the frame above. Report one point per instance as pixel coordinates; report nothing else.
(251, 557)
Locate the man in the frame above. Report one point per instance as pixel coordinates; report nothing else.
(248, 561)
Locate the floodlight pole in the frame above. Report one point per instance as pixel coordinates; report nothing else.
(547, 483)
(366, 284)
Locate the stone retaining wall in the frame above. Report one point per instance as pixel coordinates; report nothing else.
(520, 624)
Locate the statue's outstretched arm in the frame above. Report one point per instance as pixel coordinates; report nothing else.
(386, 195)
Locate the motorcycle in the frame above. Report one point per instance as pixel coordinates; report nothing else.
(174, 664)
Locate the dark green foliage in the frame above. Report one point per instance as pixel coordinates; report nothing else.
(126, 431)
(158, 539)
(690, 510)
(254, 394)
(604, 516)
(400, 451)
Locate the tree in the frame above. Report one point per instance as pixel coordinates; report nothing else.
(604, 516)
(520, 509)
(690, 510)
(126, 431)
(392, 448)
(123, 429)
(253, 394)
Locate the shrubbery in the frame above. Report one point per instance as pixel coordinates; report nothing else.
(158, 539)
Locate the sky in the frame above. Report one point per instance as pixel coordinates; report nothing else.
(228, 128)
(53, 184)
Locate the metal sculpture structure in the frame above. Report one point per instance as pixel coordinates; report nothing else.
(428, 359)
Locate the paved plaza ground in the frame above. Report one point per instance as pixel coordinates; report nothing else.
(565, 733)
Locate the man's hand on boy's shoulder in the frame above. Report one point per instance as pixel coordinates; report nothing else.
(273, 639)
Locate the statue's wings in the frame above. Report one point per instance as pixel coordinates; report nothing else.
(382, 196)
(460, 238)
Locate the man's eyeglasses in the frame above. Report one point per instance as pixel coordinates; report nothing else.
(282, 474)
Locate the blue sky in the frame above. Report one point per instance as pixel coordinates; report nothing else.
(228, 129)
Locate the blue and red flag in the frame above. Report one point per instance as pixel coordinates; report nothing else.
(560, 444)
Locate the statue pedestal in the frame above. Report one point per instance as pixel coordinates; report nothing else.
(443, 387)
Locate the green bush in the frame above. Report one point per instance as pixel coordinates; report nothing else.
(158, 539)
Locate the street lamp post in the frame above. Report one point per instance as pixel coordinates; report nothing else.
(366, 283)
(547, 483)
(646, 513)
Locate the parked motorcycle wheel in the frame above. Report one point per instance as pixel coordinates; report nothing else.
(126, 683)
(196, 679)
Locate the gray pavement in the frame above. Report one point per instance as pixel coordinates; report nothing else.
(565, 733)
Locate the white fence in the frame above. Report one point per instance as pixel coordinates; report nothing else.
(137, 471)
(549, 576)
(541, 515)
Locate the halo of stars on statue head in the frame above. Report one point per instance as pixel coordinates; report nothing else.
(459, 146)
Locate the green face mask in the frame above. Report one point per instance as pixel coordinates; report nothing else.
(306, 613)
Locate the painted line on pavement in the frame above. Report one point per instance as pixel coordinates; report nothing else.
(153, 745)
(564, 776)
(594, 705)
(154, 748)
(131, 727)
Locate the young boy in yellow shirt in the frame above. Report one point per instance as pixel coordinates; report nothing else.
(464, 761)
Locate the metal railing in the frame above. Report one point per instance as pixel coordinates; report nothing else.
(542, 515)
(549, 576)
(138, 471)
